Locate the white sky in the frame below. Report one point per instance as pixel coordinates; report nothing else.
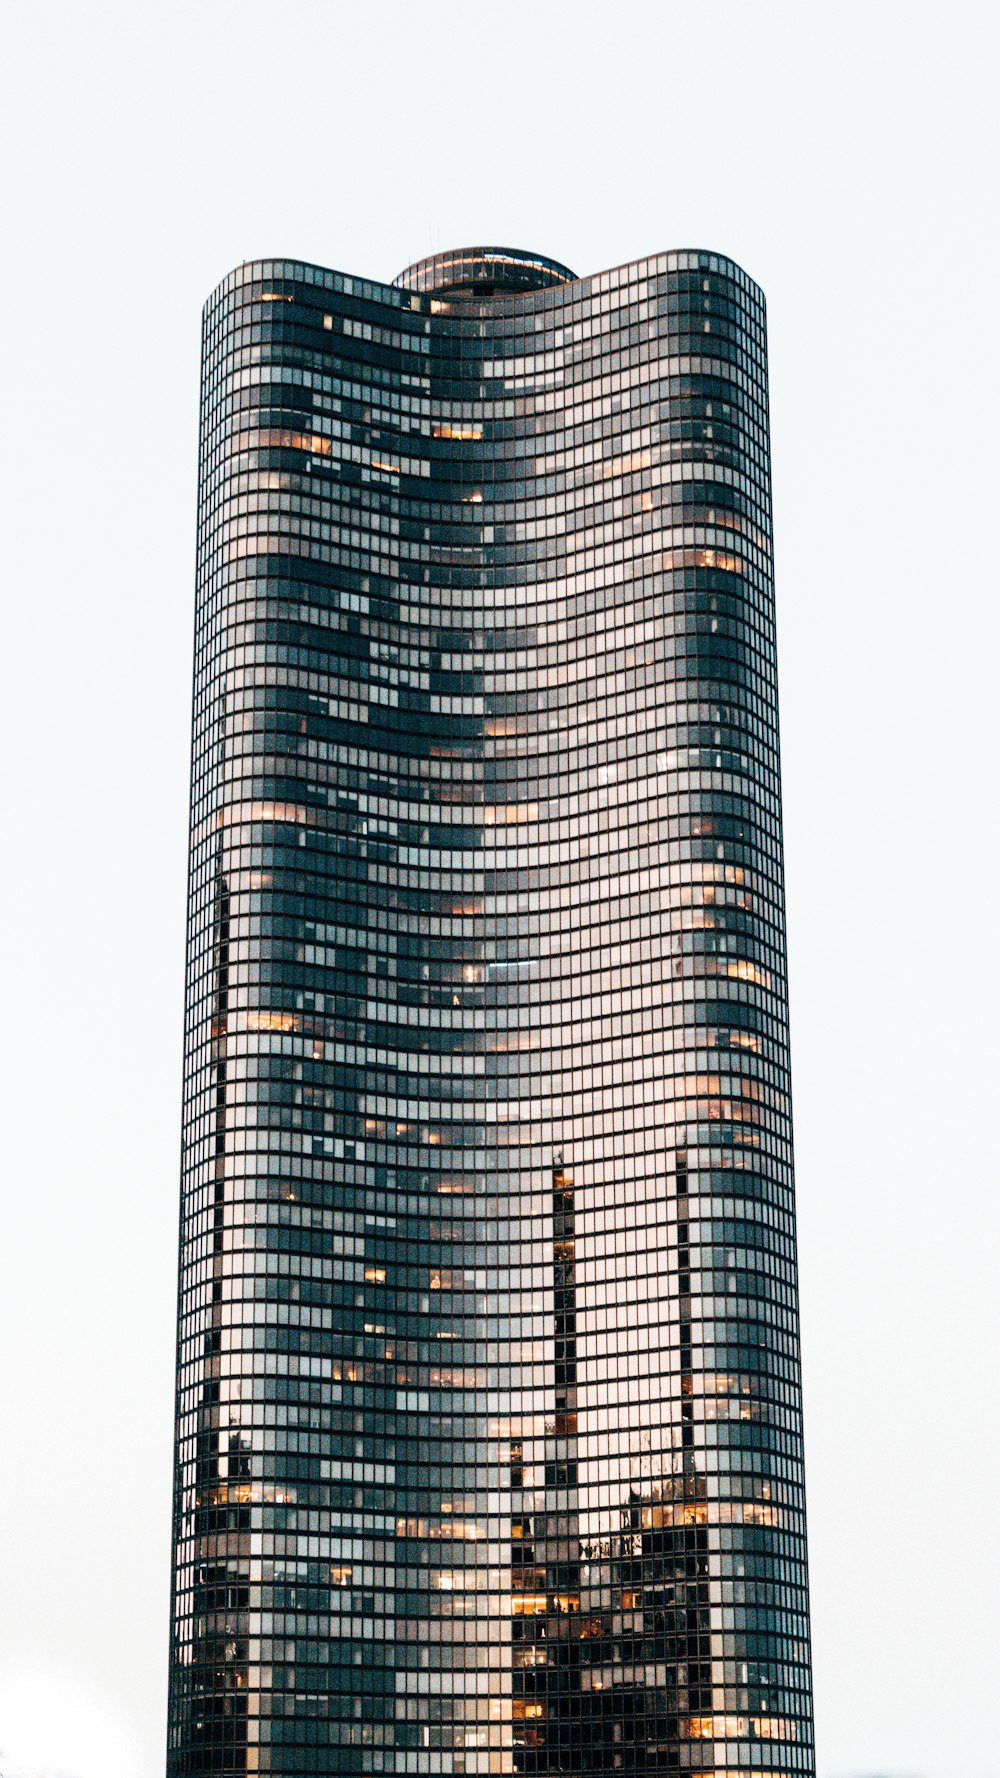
(846, 156)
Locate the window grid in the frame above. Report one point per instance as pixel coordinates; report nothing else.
(489, 1452)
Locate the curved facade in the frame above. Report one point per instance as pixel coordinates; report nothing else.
(489, 1436)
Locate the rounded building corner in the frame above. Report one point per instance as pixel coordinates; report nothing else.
(487, 1367)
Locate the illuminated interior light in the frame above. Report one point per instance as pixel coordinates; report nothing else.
(315, 443)
(744, 971)
(508, 814)
(265, 1020)
(626, 465)
(712, 558)
(773, 1728)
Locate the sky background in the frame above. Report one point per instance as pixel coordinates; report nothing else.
(846, 156)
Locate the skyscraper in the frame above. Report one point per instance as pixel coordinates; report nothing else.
(489, 1437)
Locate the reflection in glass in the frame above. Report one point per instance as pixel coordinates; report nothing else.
(489, 1432)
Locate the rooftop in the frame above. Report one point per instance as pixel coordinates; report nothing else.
(483, 271)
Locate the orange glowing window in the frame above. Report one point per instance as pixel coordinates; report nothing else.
(714, 1728)
(313, 442)
(507, 814)
(713, 558)
(626, 465)
(756, 1514)
(773, 1728)
(744, 971)
(238, 813)
(273, 1021)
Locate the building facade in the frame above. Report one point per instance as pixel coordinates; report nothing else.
(489, 1453)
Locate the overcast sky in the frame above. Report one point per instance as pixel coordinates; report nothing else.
(846, 156)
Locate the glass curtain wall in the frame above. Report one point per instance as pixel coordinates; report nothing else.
(489, 1432)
